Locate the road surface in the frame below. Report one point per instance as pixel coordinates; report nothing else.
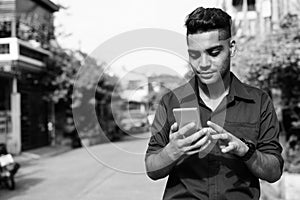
(104, 172)
(109, 172)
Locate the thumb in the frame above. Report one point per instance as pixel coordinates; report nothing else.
(174, 127)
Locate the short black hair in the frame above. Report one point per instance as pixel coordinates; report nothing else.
(208, 19)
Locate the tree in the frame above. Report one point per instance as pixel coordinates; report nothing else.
(62, 72)
(67, 67)
(274, 62)
(59, 77)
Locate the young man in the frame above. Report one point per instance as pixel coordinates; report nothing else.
(238, 144)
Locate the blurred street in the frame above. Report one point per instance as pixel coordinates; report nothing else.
(77, 175)
(67, 80)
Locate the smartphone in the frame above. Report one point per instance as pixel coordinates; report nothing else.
(184, 116)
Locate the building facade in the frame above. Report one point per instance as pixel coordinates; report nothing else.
(258, 17)
(26, 29)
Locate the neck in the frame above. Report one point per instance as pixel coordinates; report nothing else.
(216, 90)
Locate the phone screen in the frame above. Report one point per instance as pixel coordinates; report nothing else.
(184, 116)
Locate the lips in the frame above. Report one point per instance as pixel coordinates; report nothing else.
(206, 74)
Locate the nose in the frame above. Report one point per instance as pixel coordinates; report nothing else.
(204, 62)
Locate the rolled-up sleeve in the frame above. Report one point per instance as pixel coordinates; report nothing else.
(268, 139)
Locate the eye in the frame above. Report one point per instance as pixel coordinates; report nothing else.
(214, 52)
(194, 55)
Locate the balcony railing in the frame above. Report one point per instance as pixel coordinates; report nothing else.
(18, 50)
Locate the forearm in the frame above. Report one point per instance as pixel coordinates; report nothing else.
(264, 166)
(159, 165)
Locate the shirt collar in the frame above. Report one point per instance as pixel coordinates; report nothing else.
(238, 89)
(190, 92)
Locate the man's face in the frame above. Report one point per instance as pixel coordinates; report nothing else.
(209, 56)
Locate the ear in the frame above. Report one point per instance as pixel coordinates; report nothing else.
(232, 48)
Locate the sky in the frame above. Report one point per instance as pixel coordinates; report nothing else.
(92, 23)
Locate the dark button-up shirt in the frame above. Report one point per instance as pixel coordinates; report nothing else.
(246, 112)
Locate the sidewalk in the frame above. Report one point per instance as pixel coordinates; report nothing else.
(292, 186)
(43, 152)
(49, 151)
(287, 188)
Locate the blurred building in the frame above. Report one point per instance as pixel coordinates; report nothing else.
(258, 17)
(165, 80)
(26, 29)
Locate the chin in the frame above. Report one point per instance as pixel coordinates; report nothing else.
(209, 81)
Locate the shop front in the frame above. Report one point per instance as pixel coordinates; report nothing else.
(5, 119)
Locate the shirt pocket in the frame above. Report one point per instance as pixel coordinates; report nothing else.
(248, 131)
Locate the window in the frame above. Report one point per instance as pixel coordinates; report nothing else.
(4, 48)
(5, 29)
(34, 22)
(31, 53)
(238, 4)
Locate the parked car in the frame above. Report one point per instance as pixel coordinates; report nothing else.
(134, 121)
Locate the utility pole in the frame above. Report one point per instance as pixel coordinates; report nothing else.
(260, 20)
(245, 26)
(275, 14)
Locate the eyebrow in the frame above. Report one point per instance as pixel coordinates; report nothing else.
(192, 51)
(209, 49)
(215, 47)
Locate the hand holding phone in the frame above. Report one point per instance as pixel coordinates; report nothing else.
(200, 142)
(185, 116)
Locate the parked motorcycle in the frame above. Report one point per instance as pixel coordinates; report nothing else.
(8, 168)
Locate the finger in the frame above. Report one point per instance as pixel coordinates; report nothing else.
(221, 136)
(215, 127)
(196, 136)
(174, 127)
(205, 145)
(230, 147)
(179, 134)
(212, 131)
(193, 151)
(200, 143)
(186, 128)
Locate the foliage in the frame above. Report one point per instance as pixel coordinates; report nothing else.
(275, 61)
(63, 72)
(59, 78)
(68, 69)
